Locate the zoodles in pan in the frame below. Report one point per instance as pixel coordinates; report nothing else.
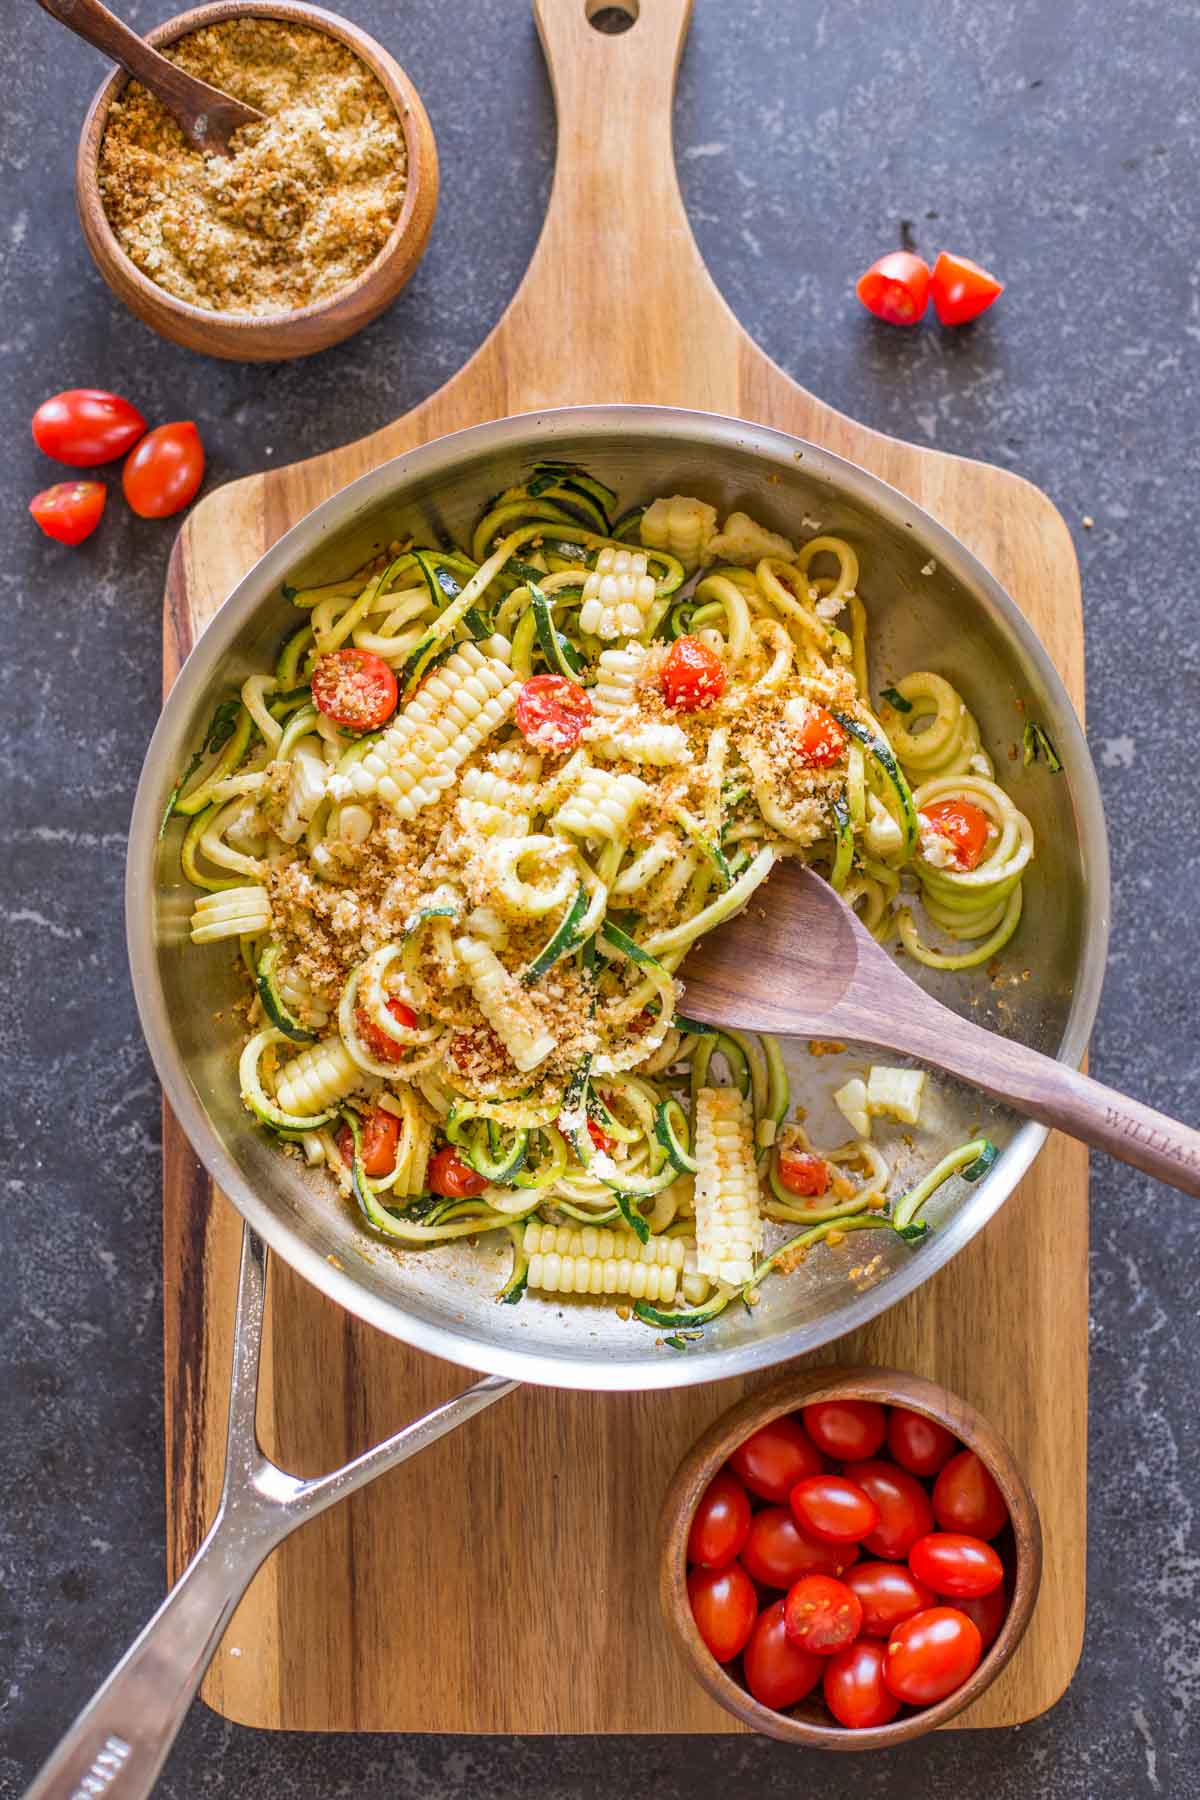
(467, 828)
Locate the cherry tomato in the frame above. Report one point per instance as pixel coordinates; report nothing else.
(693, 676)
(987, 1613)
(966, 1498)
(86, 426)
(775, 1458)
(961, 289)
(778, 1672)
(803, 1173)
(847, 1430)
(552, 712)
(920, 1445)
(70, 510)
(952, 1563)
(600, 1138)
(377, 1041)
(820, 741)
(855, 1691)
(889, 1593)
(380, 1135)
(930, 1655)
(965, 826)
(833, 1510)
(719, 1523)
(724, 1607)
(904, 1510)
(354, 688)
(777, 1553)
(896, 288)
(165, 470)
(448, 1174)
(822, 1614)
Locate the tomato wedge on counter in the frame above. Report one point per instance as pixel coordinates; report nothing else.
(552, 712)
(380, 1135)
(896, 288)
(964, 825)
(693, 676)
(720, 1522)
(961, 289)
(355, 689)
(85, 426)
(164, 472)
(451, 1177)
(70, 510)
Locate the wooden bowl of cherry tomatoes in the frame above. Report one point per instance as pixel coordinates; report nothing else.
(849, 1558)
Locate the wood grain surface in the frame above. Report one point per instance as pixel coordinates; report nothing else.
(534, 1528)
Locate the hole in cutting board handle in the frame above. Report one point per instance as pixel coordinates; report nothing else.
(612, 16)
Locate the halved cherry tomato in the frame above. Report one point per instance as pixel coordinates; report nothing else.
(966, 1498)
(889, 1593)
(380, 1135)
(961, 289)
(803, 1173)
(552, 712)
(904, 1510)
(448, 1174)
(822, 1614)
(165, 470)
(987, 1613)
(820, 741)
(775, 1458)
(693, 676)
(600, 1138)
(354, 688)
(777, 1553)
(778, 1672)
(377, 1041)
(720, 1522)
(70, 510)
(724, 1606)
(964, 824)
(952, 1563)
(931, 1654)
(847, 1430)
(920, 1445)
(86, 426)
(855, 1691)
(896, 288)
(833, 1510)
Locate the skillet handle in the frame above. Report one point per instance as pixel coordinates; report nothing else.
(119, 1742)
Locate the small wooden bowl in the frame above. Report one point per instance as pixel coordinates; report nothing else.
(809, 1723)
(243, 337)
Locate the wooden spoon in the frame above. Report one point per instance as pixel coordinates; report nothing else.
(799, 962)
(204, 114)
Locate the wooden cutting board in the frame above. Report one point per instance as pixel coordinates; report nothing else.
(503, 1581)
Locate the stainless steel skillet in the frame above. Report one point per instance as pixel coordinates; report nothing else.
(931, 604)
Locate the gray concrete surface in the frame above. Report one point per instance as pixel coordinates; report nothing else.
(1058, 144)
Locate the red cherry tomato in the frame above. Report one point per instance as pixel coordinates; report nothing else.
(70, 510)
(600, 1138)
(896, 288)
(777, 1553)
(86, 426)
(820, 741)
(720, 1522)
(952, 1563)
(847, 1430)
(920, 1445)
(987, 1613)
(724, 1606)
(833, 1510)
(380, 1135)
(775, 1458)
(448, 1174)
(354, 688)
(966, 1498)
(904, 1510)
(778, 1672)
(552, 712)
(693, 676)
(965, 826)
(930, 1655)
(855, 1691)
(377, 1041)
(822, 1614)
(889, 1593)
(164, 472)
(803, 1173)
(961, 289)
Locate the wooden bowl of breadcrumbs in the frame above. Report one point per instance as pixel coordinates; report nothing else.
(302, 236)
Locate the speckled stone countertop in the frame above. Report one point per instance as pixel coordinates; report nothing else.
(1057, 144)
